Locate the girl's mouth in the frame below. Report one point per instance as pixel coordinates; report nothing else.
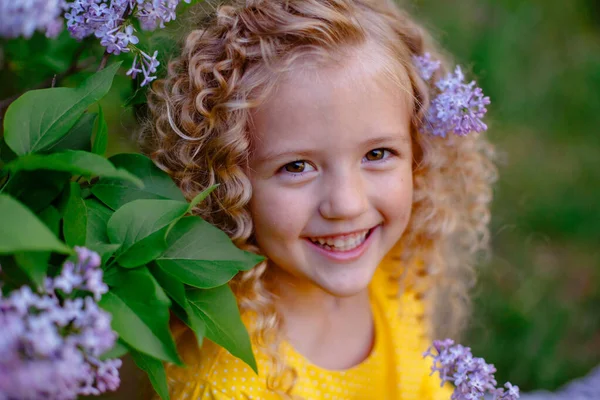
(342, 243)
(343, 248)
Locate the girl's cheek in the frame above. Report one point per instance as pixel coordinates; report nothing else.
(395, 194)
(278, 210)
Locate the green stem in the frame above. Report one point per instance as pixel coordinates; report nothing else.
(5, 184)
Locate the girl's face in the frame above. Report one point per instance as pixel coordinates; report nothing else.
(331, 172)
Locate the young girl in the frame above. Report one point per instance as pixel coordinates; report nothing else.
(314, 118)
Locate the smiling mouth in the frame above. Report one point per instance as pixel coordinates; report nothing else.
(344, 242)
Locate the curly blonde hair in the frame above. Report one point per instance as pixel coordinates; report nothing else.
(198, 133)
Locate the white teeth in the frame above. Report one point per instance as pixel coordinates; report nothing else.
(345, 243)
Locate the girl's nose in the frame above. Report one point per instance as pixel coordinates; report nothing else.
(344, 197)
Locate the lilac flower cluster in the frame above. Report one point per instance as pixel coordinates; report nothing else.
(458, 106)
(23, 17)
(472, 376)
(426, 66)
(155, 13)
(51, 343)
(108, 20)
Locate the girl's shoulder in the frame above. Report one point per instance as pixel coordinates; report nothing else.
(405, 331)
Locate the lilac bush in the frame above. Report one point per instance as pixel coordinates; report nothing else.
(51, 342)
(472, 377)
(457, 106)
(110, 21)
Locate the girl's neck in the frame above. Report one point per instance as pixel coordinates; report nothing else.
(331, 332)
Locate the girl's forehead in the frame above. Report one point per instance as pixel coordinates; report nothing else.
(333, 105)
(351, 65)
(367, 69)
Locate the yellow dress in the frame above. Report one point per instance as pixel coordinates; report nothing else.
(395, 369)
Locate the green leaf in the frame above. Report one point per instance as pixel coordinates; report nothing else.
(75, 162)
(140, 228)
(195, 201)
(200, 197)
(22, 231)
(176, 291)
(75, 217)
(39, 118)
(157, 184)
(37, 189)
(218, 309)
(35, 265)
(104, 250)
(155, 370)
(101, 138)
(13, 276)
(117, 351)
(98, 216)
(140, 313)
(96, 237)
(51, 217)
(196, 324)
(170, 284)
(144, 251)
(6, 154)
(203, 256)
(78, 137)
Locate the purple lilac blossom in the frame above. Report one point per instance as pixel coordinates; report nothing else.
(155, 13)
(472, 377)
(458, 107)
(50, 343)
(24, 17)
(107, 20)
(426, 65)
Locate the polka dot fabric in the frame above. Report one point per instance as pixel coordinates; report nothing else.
(394, 370)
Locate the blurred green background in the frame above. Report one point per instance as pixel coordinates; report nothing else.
(537, 303)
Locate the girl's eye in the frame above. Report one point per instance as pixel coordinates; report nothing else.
(377, 154)
(297, 167)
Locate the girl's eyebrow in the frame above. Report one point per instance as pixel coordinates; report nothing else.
(275, 155)
(272, 156)
(387, 139)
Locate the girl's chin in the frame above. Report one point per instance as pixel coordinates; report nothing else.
(350, 284)
(346, 291)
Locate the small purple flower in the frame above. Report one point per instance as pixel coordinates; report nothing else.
(472, 377)
(133, 71)
(155, 13)
(426, 65)
(50, 344)
(128, 36)
(148, 65)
